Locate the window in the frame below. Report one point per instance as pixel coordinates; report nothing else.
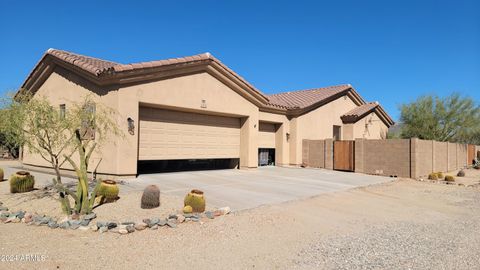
(337, 133)
(62, 111)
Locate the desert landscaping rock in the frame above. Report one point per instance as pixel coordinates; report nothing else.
(162, 222)
(90, 216)
(101, 224)
(130, 228)
(84, 222)
(171, 224)
(140, 226)
(103, 229)
(111, 225)
(3, 208)
(154, 227)
(209, 215)
(64, 225)
(52, 224)
(180, 219)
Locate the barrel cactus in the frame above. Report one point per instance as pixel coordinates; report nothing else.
(21, 181)
(196, 200)
(150, 197)
(449, 178)
(109, 190)
(187, 209)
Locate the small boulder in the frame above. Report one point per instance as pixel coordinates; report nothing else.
(140, 226)
(130, 228)
(90, 216)
(180, 218)
(209, 215)
(52, 224)
(154, 227)
(171, 224)
(461, 173)
(162, 222)
(103, 229)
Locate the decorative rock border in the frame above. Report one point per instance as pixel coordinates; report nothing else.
(83, 223)
(448, 183)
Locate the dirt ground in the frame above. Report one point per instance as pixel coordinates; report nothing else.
(283, 236)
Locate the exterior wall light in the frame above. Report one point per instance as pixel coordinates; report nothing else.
(288, 136)
(131, 126)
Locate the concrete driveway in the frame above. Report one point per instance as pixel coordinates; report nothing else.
(244, 189)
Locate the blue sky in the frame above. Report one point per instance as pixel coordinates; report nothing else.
(390, 51)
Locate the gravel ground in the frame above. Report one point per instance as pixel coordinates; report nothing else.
(403, 245)
(397, 225)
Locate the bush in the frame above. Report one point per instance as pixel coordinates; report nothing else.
(439, 175)
(449, 178)
(2, 175)
(433, 176)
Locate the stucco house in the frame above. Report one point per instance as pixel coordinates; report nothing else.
(195, 111)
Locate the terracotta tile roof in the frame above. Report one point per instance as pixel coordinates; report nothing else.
(359, 112)
(97, 66)
(90, 64)
(304, 98)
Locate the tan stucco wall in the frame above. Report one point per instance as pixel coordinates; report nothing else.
(317, 125)
(370, 127)
(63, 87)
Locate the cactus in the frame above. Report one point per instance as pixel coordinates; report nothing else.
(21, 181)
(187, 209)
(196, 200)
(439, 175)
(433, 176)
(2, 175)
(449, 178)
(461, 173)
(108, 189)
(150, 197)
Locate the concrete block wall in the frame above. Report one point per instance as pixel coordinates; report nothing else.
(313, 153)
(329, 154)
(398, 157)
(440, 158)
(385, 157)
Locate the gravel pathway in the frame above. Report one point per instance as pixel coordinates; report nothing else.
(453, 244)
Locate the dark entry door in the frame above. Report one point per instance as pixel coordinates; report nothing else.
(344, 155)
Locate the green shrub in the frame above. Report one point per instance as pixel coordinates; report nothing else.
(439, 175)
(433, 176)
(449, 178)
(2, 175)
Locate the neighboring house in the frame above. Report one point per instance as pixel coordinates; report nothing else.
(195, 109)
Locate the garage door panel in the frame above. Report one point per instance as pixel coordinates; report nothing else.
(266, 135)
(166, 134)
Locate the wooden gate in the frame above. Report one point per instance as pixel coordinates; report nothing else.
(471, 154)
(344, 155)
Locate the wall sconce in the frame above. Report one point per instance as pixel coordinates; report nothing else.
(131, 126)
(288, 136)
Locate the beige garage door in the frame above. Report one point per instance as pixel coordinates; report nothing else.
(166, 135)
(266, 135)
